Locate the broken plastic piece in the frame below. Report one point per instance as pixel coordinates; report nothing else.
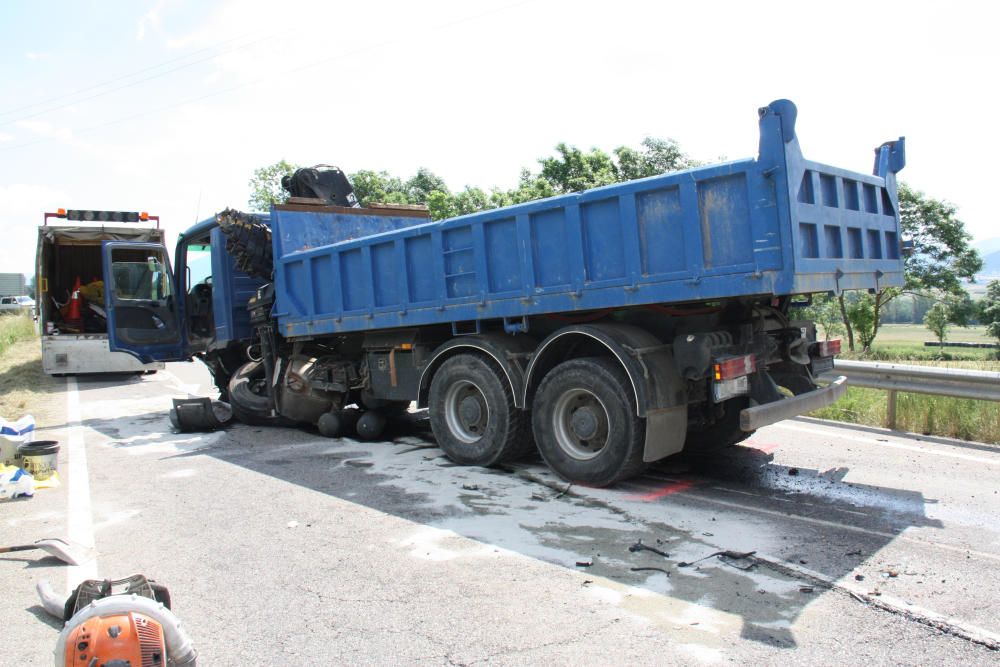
(199, 414)
(15, 482)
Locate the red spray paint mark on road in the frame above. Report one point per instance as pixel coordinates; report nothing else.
(668, 490)
(767, 449)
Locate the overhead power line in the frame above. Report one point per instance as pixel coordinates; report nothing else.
(133, 83)
(270, 77)
(88, 88)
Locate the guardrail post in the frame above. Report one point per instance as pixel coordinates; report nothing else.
(890, 411)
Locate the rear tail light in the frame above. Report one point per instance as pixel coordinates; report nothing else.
(729, 375)
(727, 368)
(828, 348)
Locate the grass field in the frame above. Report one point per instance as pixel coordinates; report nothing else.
(917, 333)
(919, 413)
(14, 328)
(905, 343)
(24, 388)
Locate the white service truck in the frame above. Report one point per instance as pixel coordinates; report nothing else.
(69, 285)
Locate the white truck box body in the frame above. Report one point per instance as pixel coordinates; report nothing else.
(73, 353)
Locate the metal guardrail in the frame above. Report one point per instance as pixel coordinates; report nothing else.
(957, 382)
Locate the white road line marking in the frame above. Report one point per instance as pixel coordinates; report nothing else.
(80, 521)
(893, 445)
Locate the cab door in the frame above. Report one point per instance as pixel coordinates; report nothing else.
(142, 309)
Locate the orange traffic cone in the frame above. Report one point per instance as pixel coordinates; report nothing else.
(74, 316)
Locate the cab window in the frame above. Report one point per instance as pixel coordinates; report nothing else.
(197, 258)
(139, 275)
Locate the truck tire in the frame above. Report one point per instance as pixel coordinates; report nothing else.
(723, 433)
(585, 422)
(472, 413)
(249, 404)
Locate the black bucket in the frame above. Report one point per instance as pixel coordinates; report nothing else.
(40, 458)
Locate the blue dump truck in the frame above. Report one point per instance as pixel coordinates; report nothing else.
(608, 328)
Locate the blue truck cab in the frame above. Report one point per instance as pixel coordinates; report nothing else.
(607, 328)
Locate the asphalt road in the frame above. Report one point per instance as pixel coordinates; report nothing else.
(282, 547)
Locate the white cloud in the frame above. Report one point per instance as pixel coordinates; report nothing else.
(21, 208)
(46, 129)
(5, 137)
(152, 20)
(37, 55)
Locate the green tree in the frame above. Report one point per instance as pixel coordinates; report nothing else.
(825, 311)
(860, 313)
(529, 188)
(441, 205)
(937, 320)
(265, 185)
(656, 156)
(942, 252)
(378, 187)
(962, 310)
(989, 310)
(942, 257)
(569, 170)
(572, 170)
(423, 183)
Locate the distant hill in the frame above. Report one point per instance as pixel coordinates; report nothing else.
(991, 264)
(987, 246)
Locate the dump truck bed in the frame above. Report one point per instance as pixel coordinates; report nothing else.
(774, 225)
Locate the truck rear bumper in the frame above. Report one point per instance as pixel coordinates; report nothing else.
(758, 416)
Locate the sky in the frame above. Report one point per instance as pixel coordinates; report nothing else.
(168, 106)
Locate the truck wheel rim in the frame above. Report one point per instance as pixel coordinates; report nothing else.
(466, 411)
(580, 424)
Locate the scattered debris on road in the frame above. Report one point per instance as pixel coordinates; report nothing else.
(639, 546)
(15, 483)
(191, 415)
(66, 551)
(725, 556)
